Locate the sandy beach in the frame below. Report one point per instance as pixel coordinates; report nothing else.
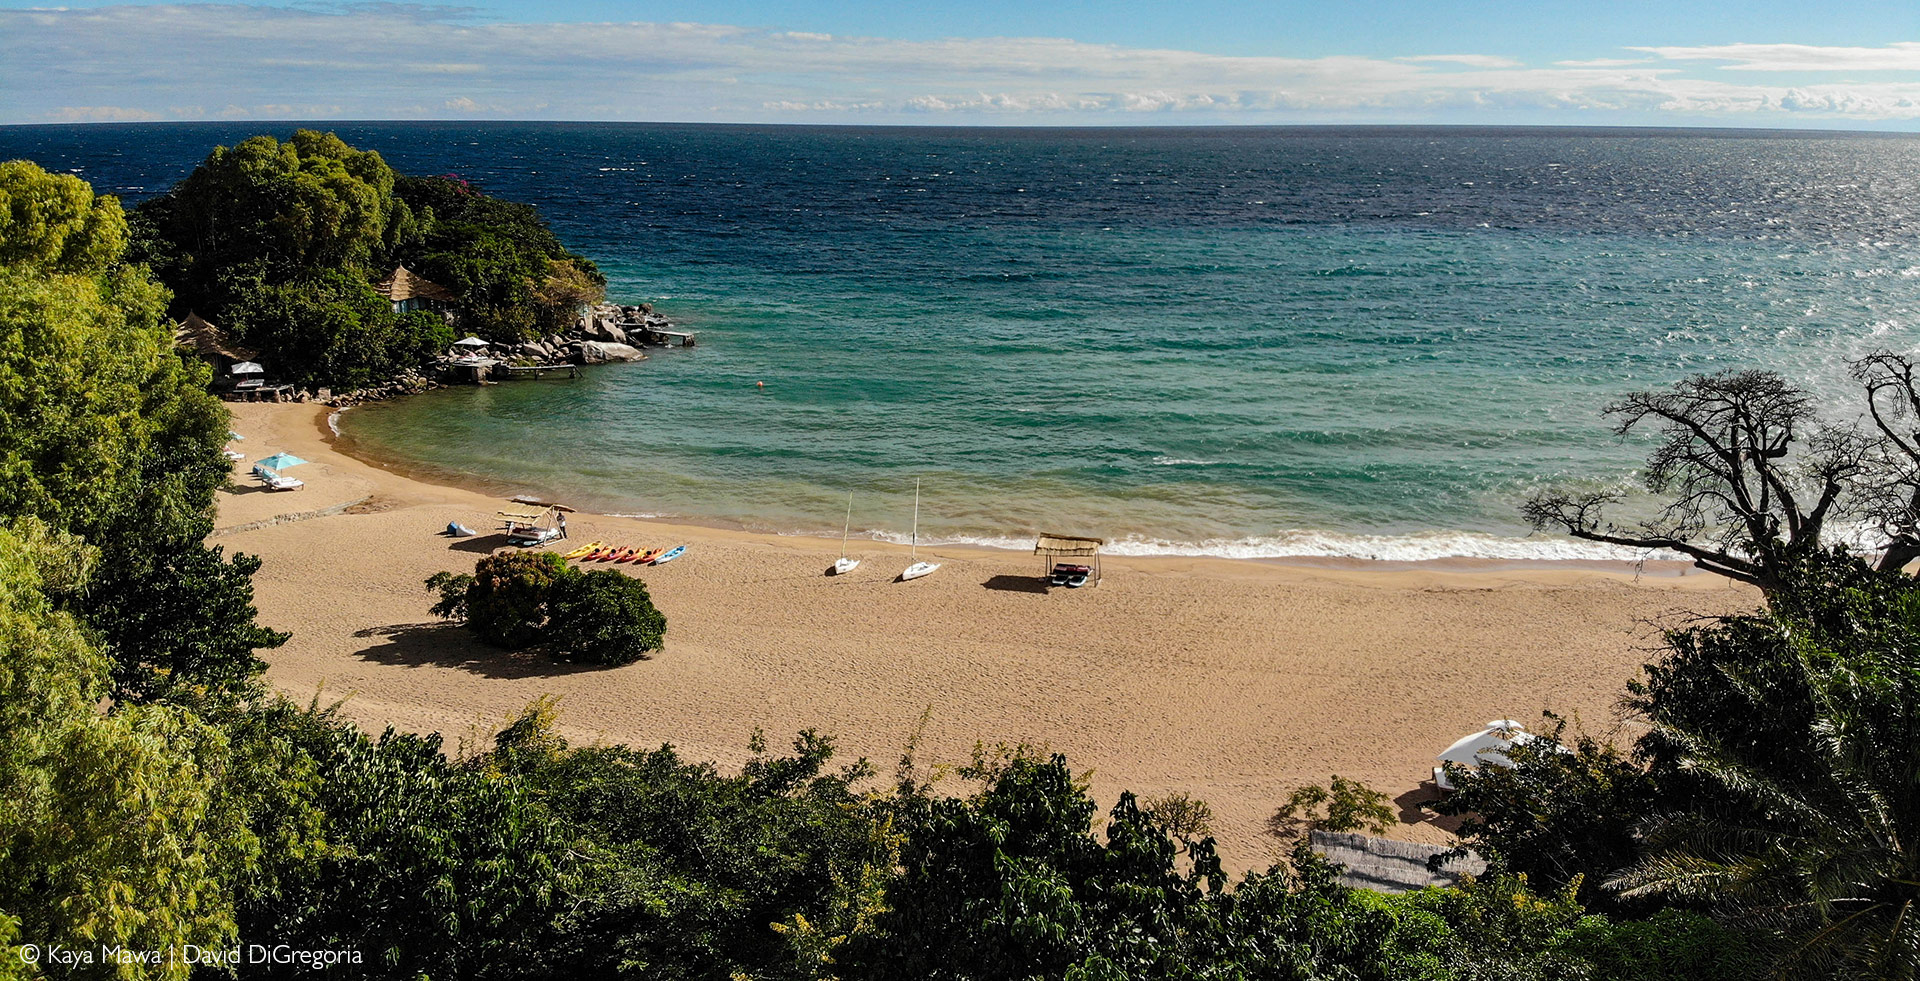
(1233, 681)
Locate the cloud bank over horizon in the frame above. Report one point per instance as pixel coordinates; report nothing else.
(409, 61)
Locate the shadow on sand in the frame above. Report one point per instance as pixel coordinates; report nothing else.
(481, 544)
(1017, 584)
(1412, 813)
(446, 645)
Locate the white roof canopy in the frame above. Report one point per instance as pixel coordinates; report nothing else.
(249, 368)
(1488, 745)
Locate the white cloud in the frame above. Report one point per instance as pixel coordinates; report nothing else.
(404, 61)
(1469, 60)
(1604, 63)
(1901, 56)
(102, 114)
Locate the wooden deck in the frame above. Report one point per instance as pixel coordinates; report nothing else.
(655, 335)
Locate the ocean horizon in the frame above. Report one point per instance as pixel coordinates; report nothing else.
(1262, 342)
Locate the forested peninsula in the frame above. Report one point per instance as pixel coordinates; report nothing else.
(283, 247)
(165, 811)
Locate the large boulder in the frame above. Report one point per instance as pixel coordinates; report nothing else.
(535, 349)
(599, 352)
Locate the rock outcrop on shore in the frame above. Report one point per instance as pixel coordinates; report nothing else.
(597, 338)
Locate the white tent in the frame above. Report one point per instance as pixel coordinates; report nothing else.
(470, 341)
(1488, 745)
(249, 368)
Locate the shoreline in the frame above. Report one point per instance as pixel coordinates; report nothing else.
(1228, 679)
(428, 474)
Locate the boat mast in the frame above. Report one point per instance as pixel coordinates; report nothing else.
(844, 529)
(913, 550)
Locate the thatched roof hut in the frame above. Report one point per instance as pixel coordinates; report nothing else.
(208, 341)
(410, 291)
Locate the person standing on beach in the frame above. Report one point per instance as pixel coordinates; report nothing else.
(563, 524)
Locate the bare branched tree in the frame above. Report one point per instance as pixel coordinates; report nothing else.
(1742, 499)
(1891, 498)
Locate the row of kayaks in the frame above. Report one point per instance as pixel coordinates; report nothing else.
(602, 552)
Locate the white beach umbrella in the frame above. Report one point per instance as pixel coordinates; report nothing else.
(249, 368)
(1488, 745)
(470, 341)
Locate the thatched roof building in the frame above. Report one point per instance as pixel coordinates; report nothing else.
(1384, 865)
(410, 291)
(208, 341)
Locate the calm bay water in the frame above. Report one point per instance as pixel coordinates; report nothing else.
(1365, 342)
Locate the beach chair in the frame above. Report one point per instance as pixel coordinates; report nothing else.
(280, 482)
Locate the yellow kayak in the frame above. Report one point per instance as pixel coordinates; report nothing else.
(582, 550)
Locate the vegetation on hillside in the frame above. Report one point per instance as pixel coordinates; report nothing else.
(280, 244)
(156, 795)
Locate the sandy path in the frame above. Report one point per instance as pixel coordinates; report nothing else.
(1233, 681)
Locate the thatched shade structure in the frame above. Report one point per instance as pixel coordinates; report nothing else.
(208, 341)
(408, 291)
(1050, 547)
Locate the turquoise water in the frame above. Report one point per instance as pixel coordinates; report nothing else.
(1247, 392)
(1253, 343)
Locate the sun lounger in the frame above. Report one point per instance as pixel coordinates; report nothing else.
(276, 481)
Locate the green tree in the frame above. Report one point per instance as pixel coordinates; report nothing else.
(1342, 805)
(514, 277)
(603, 617)
(518, 600)
(330, 328)
(689, 873)
(265, 212)
(106, 432)
(1785, 742)
(54, 222)
(1564, 814)
(113, 832)
(505, 601)
(425, 865)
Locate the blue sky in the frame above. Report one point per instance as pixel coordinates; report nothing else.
(1198, 62)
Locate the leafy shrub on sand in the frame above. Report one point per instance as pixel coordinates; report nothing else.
(518, 600)
(1342, 805)
(603, 617)
(505, 600)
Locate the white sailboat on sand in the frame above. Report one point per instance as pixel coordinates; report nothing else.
(846, 565)
(917, 569)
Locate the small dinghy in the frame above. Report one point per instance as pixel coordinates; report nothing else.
(671, 554)
(844, 565)
(917, 569)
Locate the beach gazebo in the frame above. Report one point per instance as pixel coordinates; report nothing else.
(407, 290)
(211, 344)
(1051, 547)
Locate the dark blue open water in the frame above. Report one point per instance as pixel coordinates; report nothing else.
(1238, 341)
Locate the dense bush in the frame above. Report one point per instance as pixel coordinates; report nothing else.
(514, 278)
(518, 600)
(603, 617)
(280, 243)
(109, 435)
(331, 328)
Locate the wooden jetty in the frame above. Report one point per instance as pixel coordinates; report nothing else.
(537, 370)
(656, 336)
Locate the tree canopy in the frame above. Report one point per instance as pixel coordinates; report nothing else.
(280, 244)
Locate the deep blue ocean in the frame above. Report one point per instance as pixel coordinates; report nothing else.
(1255, 342)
